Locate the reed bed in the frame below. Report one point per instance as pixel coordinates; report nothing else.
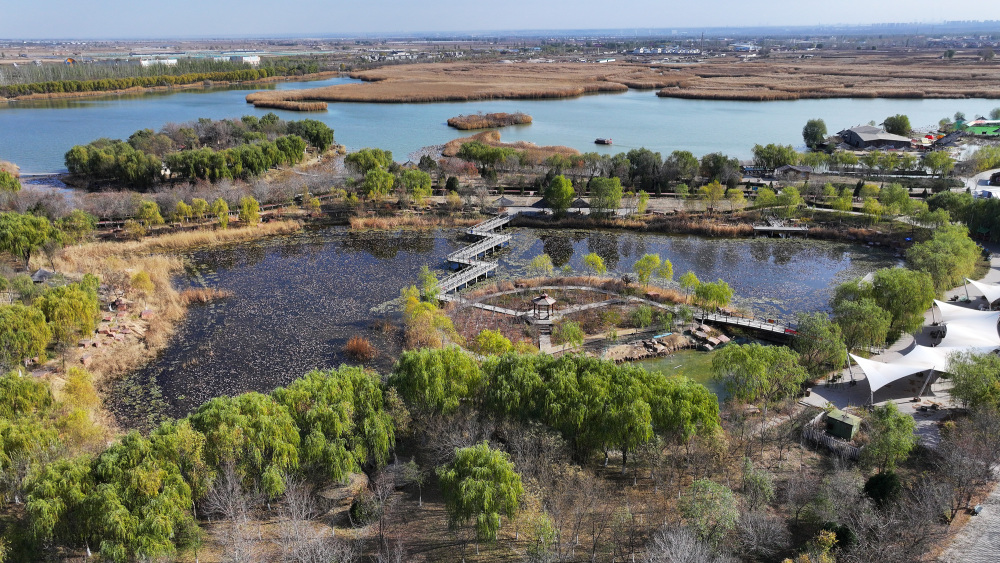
(488, 120)
(360, 349)
(412, 222)
(290, 105)
(203, 294)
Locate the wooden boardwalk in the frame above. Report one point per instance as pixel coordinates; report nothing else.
(756, 324)
(470, 268)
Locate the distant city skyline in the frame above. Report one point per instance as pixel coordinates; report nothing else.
(118, 19)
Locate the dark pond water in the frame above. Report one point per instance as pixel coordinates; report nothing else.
(298, 299)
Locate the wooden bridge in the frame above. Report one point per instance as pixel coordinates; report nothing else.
(470, 268)
(772, 327)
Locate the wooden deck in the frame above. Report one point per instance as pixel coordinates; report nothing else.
(470, 268)
(775, 328)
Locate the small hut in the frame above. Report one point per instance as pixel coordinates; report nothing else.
(543, 306)
(841, 424)
(580, 204)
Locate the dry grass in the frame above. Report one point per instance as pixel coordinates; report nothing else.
(203, 294)
(827, 75)
(412, 222)
(486, 121)
(360, 348)
(533, 153)
(290, 105)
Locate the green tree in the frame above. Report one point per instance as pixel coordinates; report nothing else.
(819, 343)
(199, 207)
(23, 334)
(482, 485)
(342, 420)
(605, 196)
(541, 266)
(365, 160)
(9, 182)
(713, 295)
(710, 509)
(642, 316)
(249, 210)
(436, 380)
(559, 194)
(417, 183)
(873, 210)
(765, 198)
(680, 165)
(641, 202)
(428, 284)
(595, 264)
(568, 333)
(789, 199)
(712, 192)
(940, 162)
(898, 124)
(890, 437)
(753, 373)
(650, 265)
(689, 282)
(814, 132)
(182, 212)
(77, 227)
(377, 184)
(255, 434)
(977, 379)
(221, 210)
(23, 234)
(71, 310)
(773, 156)
(317, 133)
(896, 199)
(950, 256)
(862, 323)
(904, 294)
(736, 198)
(491, 343)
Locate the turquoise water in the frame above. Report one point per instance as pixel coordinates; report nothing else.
(37, 134)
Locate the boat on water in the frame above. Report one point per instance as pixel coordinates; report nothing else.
(601, 141)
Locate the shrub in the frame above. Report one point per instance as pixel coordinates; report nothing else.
(360, 349)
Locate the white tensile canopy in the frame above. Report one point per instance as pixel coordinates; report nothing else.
(968, 330)
(991, 291)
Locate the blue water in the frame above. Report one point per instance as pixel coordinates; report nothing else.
(36, 134)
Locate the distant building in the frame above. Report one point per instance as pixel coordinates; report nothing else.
(789, 172)
(871, 137)
(158, 62)
(253, 60)
(984, 127)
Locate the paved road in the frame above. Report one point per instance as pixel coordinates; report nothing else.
(979, 541)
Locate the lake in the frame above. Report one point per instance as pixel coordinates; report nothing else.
(298, 299)
(36, 134)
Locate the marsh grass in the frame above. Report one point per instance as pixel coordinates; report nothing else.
(290, 105)
(486, 121)
(413, 222)
(203, 294)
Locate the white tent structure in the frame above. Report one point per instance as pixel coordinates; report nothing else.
(991, 291)
(968, 330)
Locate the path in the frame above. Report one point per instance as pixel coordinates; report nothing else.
(472, 269)
(979, 540)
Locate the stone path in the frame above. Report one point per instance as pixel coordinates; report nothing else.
(979, 540)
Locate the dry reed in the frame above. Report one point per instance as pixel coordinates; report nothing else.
(412, 222)
(486, 121)
(290, 105)
(203, 294)
(360, 349)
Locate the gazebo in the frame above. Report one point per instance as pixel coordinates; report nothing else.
(543, 306)
(503, 201)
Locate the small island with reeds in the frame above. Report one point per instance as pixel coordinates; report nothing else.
(489, 120)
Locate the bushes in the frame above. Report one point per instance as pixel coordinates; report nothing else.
(360, 349)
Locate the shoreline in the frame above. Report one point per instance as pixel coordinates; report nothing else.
(193, 85)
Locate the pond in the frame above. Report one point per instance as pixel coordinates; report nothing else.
(298, 299)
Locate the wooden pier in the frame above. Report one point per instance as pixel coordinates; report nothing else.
(467, 260)
(770, 327)
(782, 231)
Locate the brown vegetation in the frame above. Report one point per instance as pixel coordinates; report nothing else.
(203, 294)
(834, 75)
(360, 349)
(290, 105)
(533, 153)
(486, 121)
(413, 221)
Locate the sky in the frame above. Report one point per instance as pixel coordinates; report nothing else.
(110, 19)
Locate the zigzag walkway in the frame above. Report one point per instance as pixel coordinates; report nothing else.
(471, 268)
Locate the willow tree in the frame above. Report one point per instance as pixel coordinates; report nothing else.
(652, 264)
(753, 373)
(23, 334)
(436, 380)
(481, 485)
(21, 234)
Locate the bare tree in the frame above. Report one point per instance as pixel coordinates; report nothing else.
(227, 500)
(678, 544)
(762, 535)
(301, 540)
